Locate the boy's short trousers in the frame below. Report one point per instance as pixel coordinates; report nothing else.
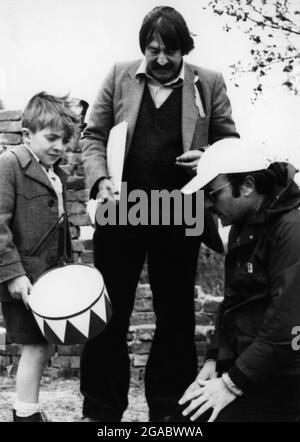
(21, 327)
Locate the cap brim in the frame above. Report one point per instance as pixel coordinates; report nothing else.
(203, 177)
(194, 185)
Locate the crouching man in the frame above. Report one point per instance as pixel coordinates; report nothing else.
(252, 372)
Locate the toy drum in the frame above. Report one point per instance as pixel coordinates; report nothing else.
(70, 304)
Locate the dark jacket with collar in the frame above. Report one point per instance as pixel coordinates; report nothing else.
(262, 290)
(28, 209)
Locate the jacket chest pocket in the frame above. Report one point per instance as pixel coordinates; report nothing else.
(247, 284)
(32, 189)
(33, 199)
(251, 293)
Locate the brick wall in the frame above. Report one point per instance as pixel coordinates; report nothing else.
(64, 360)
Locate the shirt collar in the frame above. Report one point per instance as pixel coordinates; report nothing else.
(38, 160)
(142, 71)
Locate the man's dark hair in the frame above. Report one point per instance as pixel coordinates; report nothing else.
(171, 27)
(265, 181)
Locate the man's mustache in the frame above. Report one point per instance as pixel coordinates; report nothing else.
(164, 67)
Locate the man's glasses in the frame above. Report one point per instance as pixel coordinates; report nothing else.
(212, 194)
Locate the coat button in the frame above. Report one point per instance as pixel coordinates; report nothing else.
(51, 203)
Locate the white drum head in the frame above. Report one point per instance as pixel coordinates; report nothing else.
(70, 303)
(66, 291)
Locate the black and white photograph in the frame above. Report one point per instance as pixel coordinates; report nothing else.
(149, 214)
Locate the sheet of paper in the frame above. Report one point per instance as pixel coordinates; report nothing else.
(115, 154)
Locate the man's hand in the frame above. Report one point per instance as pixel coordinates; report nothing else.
(20, 288)
(106, 190)
(189, 160)
(208, 371)
(209, 394)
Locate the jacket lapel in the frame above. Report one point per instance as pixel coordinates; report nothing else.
(31, 167)
(189, 109)
(132, 93)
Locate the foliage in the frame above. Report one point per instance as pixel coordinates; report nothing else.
(273, 27)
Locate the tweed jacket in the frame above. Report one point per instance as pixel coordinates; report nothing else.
(28, 208)
(120, 98)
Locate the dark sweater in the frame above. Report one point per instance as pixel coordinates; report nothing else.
(157, 141)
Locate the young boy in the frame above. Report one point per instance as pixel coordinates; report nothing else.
(32, 190)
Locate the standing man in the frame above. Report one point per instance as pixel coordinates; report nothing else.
(174, 110)
(254, 348)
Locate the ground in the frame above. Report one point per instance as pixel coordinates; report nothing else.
(61, 400)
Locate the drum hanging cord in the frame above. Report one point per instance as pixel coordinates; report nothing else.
(49, 233)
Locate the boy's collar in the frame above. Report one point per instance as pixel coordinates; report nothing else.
(39, 161)
(24, 155)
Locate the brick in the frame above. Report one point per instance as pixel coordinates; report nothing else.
(143, 291)
(77, 257)
(68, 350)
(6, 138)
(7, 115)
(137, 375)
(14, 362)
(201, 348)
(202, 331)
(80, 220)
(139, 360)
(75, 232)
(5, 361)
(203, 319)
(146, 335)
(130, 337)
(198, 305)
(144, 275)
(74, 182)
(140, 347)
(78, 195)
(61, 361)
(51, 373)
(76, 208)
(77, 245)
(73, 157)
(88, 244)
(10, 126)
(143, 305)
(67, 168)
(199, 292)
(211, 303)
(87, 257)
(142, 318)
(75, 362)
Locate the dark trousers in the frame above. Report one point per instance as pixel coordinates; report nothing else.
(120, 253)
(277, 400)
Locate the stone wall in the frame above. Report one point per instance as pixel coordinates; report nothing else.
(64, 360)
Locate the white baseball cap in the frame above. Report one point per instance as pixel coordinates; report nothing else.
(230, 155)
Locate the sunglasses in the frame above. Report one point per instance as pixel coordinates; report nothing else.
(212, 194)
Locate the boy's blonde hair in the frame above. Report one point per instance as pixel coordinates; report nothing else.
(44, 110)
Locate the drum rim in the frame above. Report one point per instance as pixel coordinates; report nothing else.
(51, 318)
